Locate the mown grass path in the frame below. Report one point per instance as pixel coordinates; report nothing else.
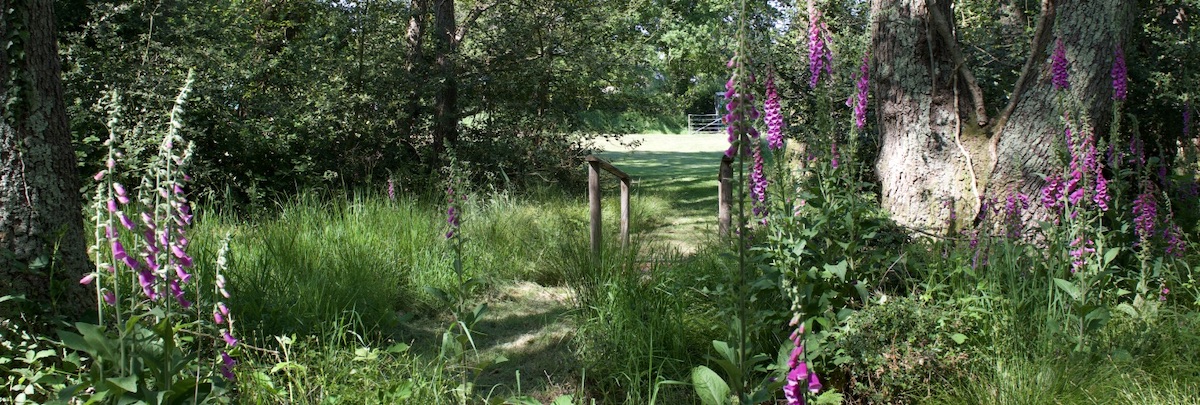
(680, 169)
(526, 323)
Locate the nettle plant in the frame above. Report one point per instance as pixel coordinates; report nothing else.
(161, 339)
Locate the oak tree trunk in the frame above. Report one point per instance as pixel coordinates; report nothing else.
(932, 161)
(920, 166)
(40, 205)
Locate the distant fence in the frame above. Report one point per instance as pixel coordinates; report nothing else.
(705, 123)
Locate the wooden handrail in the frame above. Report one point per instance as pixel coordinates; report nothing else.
(595, 164)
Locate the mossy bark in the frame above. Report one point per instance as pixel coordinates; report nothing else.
(40, 203)
(923, 173)
(1027, 146)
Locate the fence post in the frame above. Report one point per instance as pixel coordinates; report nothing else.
(625, 213)
(724, 195)
(594, 202)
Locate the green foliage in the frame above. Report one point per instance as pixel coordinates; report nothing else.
(897, 350)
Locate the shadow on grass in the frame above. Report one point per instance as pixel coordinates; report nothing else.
(687, 179)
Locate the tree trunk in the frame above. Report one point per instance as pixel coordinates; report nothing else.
(414, 66)
(445, 127)
(925, 167)
(1026, 145)
(920, 165)
(40, 204)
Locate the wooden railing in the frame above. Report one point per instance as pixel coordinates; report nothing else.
(596, 164)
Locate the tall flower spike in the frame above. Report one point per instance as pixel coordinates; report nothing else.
(820, 57)
(1120, 76)
(1061, 78)
(774, 118)
(863, 84)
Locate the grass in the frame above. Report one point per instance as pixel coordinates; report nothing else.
(632, 123)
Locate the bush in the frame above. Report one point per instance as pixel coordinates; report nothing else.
(894, 352)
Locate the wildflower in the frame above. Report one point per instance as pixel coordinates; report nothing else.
(1120, 77)
(217, 317)
(1145, 211)
(1014, 207)
(820, 57)
(99, 175)
(863, 84)
(88, 279)
(109, 298)
(834, 160)
(1101, 197)
(758, 183)
(1163, 295)
(1175, 245)
(391, 189)
(1082, 249)
(146, 280)
(1052, 191)
(227, 364)
(774, 119)
(229, 339)
(1058, 62)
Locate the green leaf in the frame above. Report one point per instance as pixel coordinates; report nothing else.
(129, 384)
(398, 348)
(958, 338)
(1068, 288)
(838, 270)
(1097, 318)
(75, 342)
(709, 386)
(1110, 255)
(563, 400)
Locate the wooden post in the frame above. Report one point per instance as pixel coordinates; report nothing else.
(594, 201)
(625, 213)
(724, 195)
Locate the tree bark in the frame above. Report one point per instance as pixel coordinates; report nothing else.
(920, 167)
(924, 170)
(40, 203)
(445, 127)
(1026, 145)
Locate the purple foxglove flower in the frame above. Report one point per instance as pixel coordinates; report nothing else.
(774, 118)
(1163, 296)
(1145, 212)
(119, 188)
(221, 307)
(99, 175)
(112, 206)
(148, 221)
(819, 55)
(227, 364)
(1120, 77)
(110, 299)
(1052, 192)
(1060, 79)
(152, 263)
(863, 84)
(110, 163)
(391, 189)
(833, 161)
(146, 280)
(229, 339)
(218, 318)
(88, 279)
(1101, 197)
(1176, 246)
(181, 274)
(128, 224)
(118, 250)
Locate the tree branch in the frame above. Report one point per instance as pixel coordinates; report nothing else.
(942, 24)
(1041, 39)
